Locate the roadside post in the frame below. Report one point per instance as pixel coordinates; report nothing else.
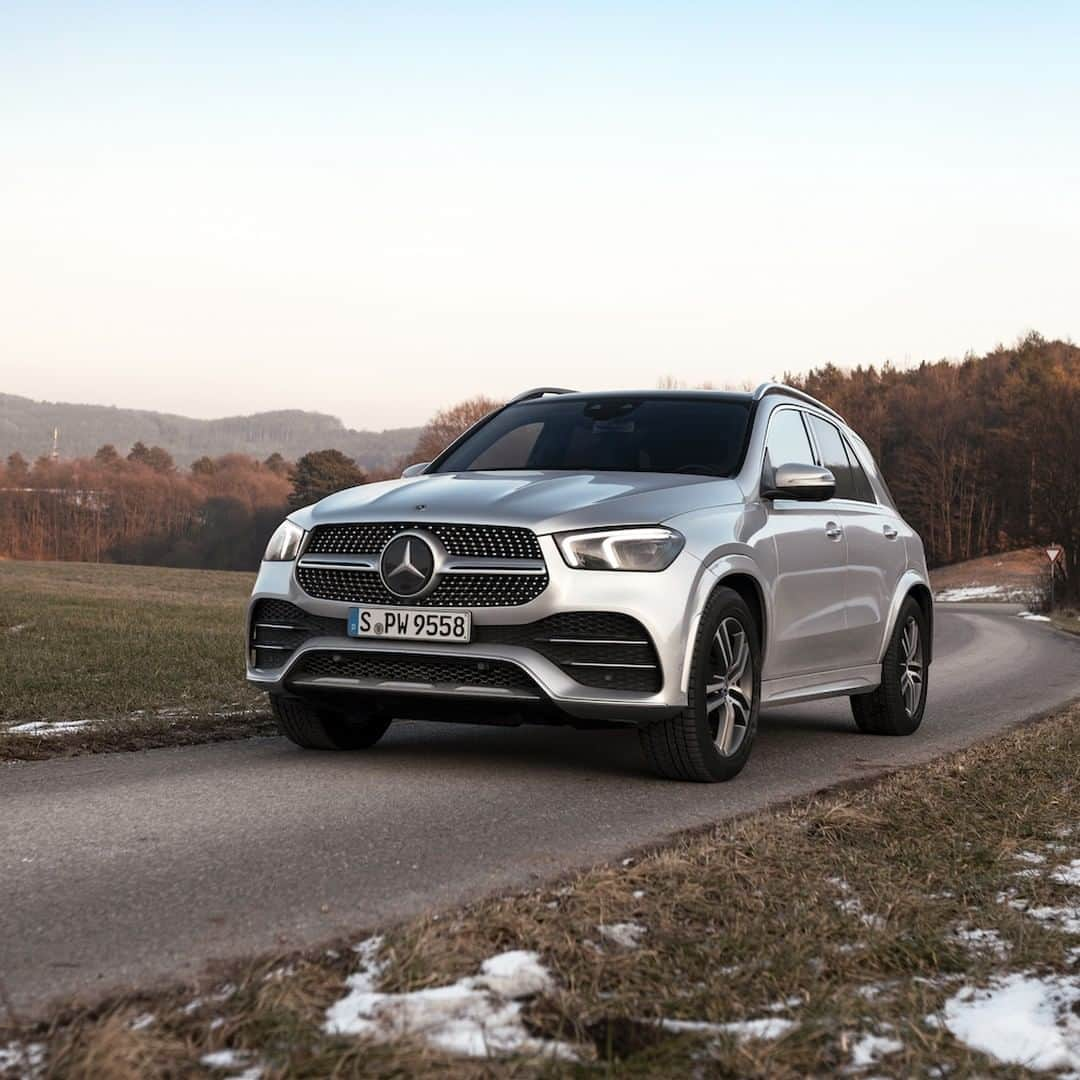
(1053, 553)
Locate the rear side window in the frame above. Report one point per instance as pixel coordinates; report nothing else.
(834, 456)
(787, 442)
(864, 491)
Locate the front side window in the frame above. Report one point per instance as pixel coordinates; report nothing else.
(787, 442)
(697, 436)
(834, 456)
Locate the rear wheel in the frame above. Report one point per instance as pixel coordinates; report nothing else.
(711, 739)
(896, 707)
(317, 728)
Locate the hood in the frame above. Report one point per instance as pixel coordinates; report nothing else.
(542, 501)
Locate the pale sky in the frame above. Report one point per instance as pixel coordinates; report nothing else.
(374, 209)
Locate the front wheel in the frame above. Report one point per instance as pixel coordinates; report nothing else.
(317, 728)
(896, 707)
(710, 740)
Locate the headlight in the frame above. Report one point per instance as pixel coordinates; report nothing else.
(285, 543)
(647, 549)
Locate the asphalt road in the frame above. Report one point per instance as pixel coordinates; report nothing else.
(128, 868)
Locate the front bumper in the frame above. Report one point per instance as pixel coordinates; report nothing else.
(662, 602)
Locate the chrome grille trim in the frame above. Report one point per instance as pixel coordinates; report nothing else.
(477, 566)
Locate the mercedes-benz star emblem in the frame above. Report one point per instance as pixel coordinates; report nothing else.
(407, 564)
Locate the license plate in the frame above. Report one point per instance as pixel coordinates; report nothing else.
(408, 624)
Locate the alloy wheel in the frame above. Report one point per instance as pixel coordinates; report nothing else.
(911, 666)
(729, 693)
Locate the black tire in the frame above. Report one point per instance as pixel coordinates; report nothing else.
(684, 747)
(317, 728)
(886, 711)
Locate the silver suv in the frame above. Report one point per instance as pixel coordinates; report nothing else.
(664, 559)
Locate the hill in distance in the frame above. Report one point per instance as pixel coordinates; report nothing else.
(27, 426)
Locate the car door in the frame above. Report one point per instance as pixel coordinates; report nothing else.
(875, 549)
(809, 606)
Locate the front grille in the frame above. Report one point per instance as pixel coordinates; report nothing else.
(454, 590)
(435, 672)
(468, 541)
(278, 628)
(595, 648)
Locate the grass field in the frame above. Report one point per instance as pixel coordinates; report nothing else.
(111, 657)
(925, 925)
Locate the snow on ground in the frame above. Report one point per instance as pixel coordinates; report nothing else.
(766, 1028)
(1020, 1019)
(224, 1059)
(974, 592)
(18, 628)
(852, 905)
(626, 934)
(1068, 875)
(477, 1016)
(1031, 617)
(27, 1057)
(870, 1049)
(1031, 857)
(989, 941)
(1066, 917)
(48, 727)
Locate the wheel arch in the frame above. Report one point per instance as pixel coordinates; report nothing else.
(923, 597)
(740, 574)
(914, 586)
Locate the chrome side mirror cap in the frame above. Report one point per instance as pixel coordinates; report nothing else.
(807, 483)
(415, 469)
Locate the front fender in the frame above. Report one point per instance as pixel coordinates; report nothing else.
(714, 574)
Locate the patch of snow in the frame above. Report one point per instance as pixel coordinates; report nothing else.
(628, 935)
(1068, 875)
(793, 1002)
(142, 1021)
(18, 628)
(30, 1057)
(477, 1016)
(637, 894)
(48, 727)
(850, 904)
(869, 1049)
(279, 973)
(977, 940)
(1030, 617)
(1061, 918)
(972, 592)
(1032, 857)
(1020, 1019)
(224, 1059)
(765, 1028)
(253, 1073)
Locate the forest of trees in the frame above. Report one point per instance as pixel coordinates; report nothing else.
(981, 455)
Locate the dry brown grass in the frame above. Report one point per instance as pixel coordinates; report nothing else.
(151, 656)
(837, 913)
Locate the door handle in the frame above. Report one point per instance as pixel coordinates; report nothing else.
(833, 531)
(890, 532)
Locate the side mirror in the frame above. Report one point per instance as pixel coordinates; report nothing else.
(415, 469)
(807, 483)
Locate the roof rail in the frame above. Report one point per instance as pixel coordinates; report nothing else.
(539, 391)
(767, 388)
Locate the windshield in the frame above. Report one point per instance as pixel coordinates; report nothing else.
(633, 434)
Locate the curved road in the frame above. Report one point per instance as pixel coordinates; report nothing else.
(126, 868)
